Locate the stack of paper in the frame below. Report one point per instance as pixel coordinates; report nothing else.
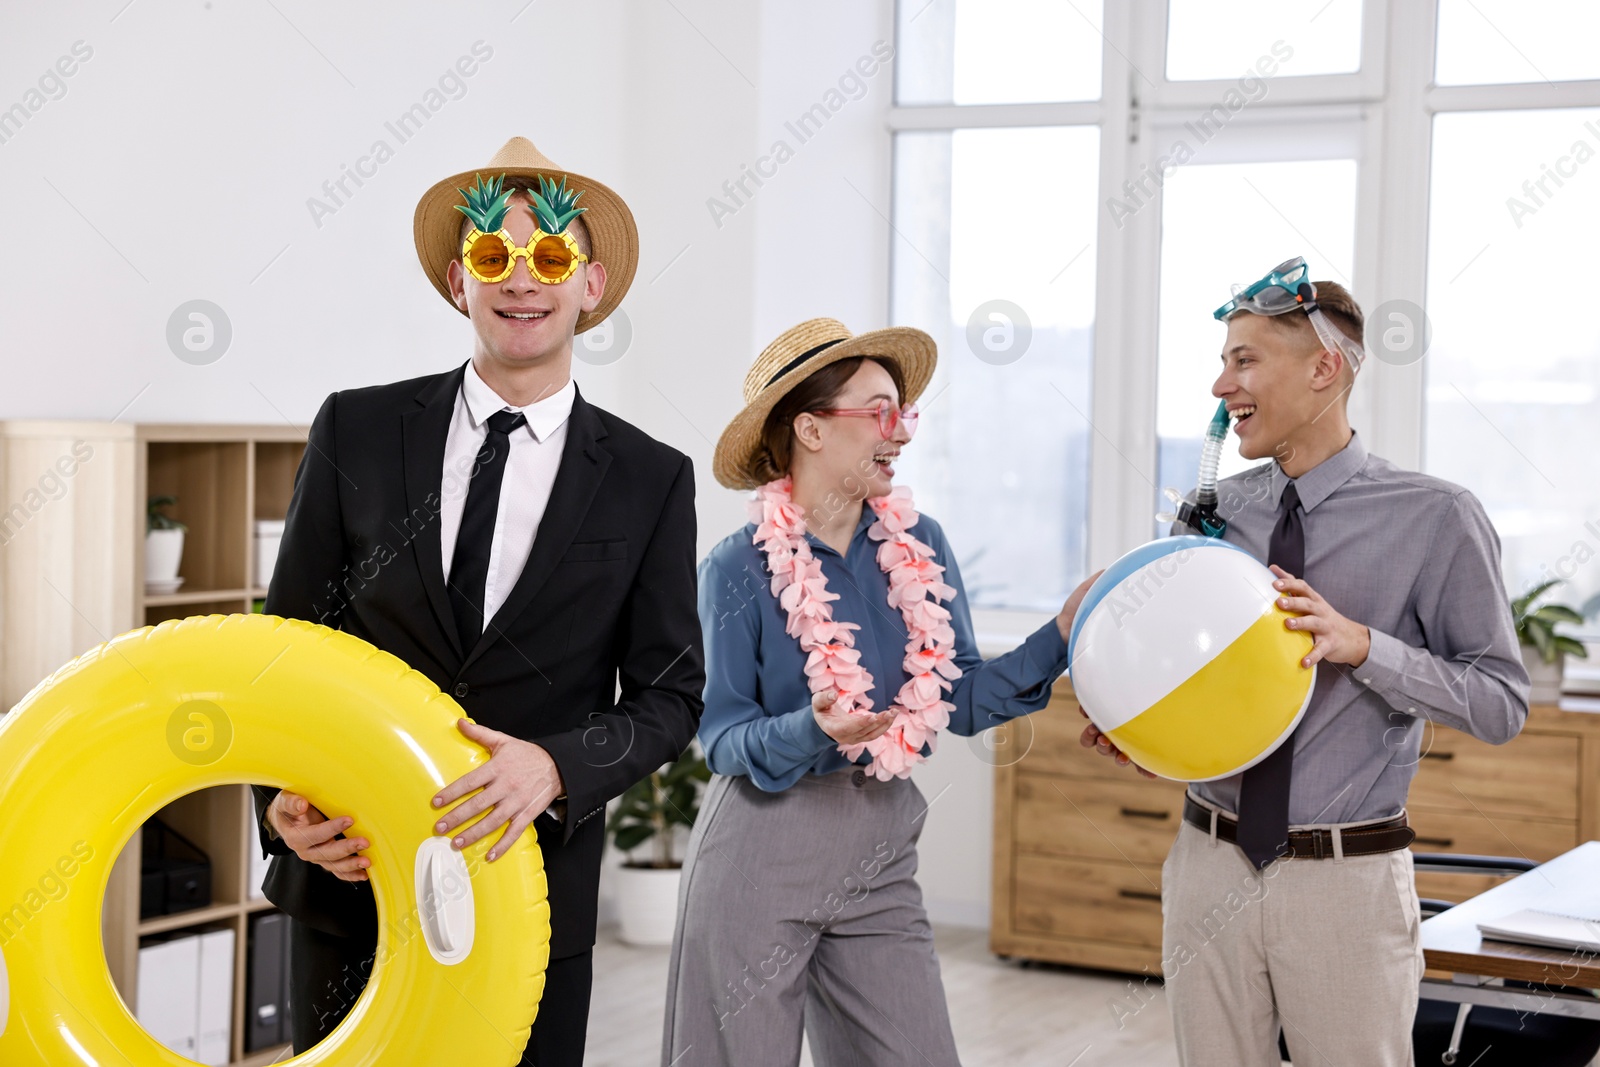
(1548, 929)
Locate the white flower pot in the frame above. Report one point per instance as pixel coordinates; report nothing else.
(1545, 677)
(163, 551)
(647, 904)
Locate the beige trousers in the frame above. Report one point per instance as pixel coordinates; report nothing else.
(1327, 949)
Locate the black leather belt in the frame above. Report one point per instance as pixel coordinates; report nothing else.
(1391, 835)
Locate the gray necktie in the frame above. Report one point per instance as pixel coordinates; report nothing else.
(1263, 831)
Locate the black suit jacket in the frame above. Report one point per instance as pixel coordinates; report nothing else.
(607, 595)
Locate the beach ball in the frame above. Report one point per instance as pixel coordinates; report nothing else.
(1179, 655)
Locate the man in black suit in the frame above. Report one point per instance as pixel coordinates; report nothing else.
(524, 550)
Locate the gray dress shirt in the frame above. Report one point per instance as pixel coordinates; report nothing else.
(1415, 559)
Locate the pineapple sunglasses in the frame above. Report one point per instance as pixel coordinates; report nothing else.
(489, 252)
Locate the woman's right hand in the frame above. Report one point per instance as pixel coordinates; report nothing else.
(848, 727)
(314, 837)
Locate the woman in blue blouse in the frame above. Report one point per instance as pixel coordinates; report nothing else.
(838, 643)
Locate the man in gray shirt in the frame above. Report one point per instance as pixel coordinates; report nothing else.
(1301, 913)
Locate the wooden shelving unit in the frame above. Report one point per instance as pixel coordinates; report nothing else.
(72, 576)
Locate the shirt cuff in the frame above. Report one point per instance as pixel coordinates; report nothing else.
(812, 735)
(1046, 652)
(1385, 662)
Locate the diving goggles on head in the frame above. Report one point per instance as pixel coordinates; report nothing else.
(1287, 287)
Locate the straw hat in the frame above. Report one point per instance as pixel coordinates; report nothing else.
(798, 353)
(612, 234)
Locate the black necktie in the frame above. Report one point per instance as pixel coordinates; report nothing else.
(1263, 831)
(469, 565)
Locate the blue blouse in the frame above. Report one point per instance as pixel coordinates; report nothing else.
(758, 718)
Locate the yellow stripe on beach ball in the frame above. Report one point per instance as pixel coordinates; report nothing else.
(1230, 713)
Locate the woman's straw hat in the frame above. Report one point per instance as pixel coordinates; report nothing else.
(612, 234)
(798, 353)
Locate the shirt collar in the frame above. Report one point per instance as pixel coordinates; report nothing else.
(1321, 481)
(544, 416)
(868, 517)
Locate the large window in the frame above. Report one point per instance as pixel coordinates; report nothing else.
(997, 51)
(1093, 177)
(1484, 42)
(994, 256)
(1232, 221)
(1208, 40)
(1514, 368)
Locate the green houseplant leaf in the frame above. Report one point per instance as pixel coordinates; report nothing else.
(633, 835)
(1554, 613)
(1571, 647)
(650, 808)
(1536, 625)
(156, 519)
(1519, 606)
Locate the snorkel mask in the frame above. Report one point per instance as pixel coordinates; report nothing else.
(1287, 287)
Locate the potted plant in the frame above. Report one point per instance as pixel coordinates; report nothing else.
(163, 546)
(1536, 629)
(647, 889)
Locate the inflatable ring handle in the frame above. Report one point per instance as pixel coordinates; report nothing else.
(108, 740)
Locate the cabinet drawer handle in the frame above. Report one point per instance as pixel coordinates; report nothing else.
(1446, 756)
(1140, 813)
(1139, 894)
(1437, 842)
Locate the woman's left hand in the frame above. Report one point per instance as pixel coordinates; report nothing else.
(1070, 609)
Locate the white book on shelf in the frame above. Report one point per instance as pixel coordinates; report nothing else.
(1546, 928)
(258, 868)
(214, 1009)
(169, 988)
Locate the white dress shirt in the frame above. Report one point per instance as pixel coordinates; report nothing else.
(530, 473)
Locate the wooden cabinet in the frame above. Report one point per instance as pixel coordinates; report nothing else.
(1533, 798)
(72, 576)
(1079, 841)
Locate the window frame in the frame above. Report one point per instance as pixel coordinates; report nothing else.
(1392, 98)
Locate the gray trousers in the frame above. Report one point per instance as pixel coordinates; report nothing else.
(801, 909)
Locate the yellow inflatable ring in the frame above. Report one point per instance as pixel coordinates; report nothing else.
(102, 744)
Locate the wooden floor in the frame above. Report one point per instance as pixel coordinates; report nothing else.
(1004, 1014)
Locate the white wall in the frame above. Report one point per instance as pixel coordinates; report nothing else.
(179, 160)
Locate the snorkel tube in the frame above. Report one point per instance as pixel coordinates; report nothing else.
(1201, 514)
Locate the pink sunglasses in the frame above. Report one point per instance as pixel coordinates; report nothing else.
(889, 417)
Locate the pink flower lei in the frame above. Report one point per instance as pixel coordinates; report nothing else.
(832, 661)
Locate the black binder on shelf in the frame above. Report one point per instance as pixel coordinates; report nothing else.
(266, 1009)
(174, 872)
